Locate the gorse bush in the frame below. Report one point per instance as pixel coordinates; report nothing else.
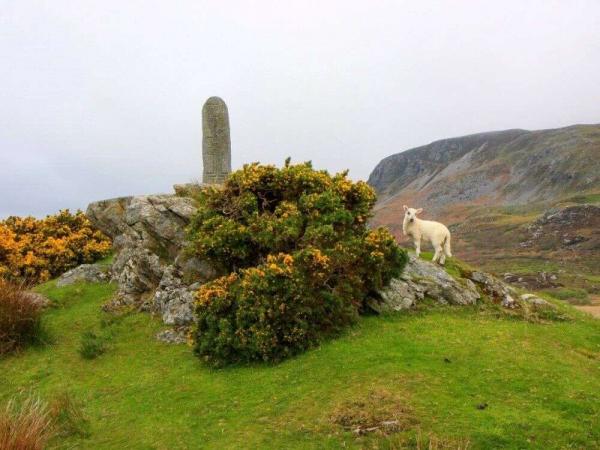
(297, 257)
(37, 250)
(20, 313)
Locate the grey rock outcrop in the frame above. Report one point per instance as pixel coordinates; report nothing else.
(89, 273)
(151, 267)
(422, 279)
(497, 290)
(173, 336)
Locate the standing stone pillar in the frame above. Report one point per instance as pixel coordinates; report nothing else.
(216, 142)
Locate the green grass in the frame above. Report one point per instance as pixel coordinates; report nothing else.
(572, 295)
(541, 382)
(106, 261)
(453, 266)
(585, 198)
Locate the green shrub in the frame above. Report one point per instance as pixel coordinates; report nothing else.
(91, 345)
(297, 258)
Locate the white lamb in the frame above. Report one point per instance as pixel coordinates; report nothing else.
(435, 232)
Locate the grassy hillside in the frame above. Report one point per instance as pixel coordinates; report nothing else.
(511, 239)
(454, 376)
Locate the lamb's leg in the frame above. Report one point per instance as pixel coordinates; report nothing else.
(447, 247)
(438, 251)
(417, 247)
(442, 258)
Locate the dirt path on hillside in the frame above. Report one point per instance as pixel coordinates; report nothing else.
(594, 308)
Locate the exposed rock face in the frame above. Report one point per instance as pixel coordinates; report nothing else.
(90, 273)
(422, 279)
(174, 299)
(151, 267)
(216, 141)
(575, 227)
(497, 290)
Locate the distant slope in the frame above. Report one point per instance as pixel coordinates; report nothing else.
(495, 191)
(502, 167)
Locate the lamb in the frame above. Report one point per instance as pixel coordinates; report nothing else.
(435, 232)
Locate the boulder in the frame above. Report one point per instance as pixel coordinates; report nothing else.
(422, 279)
(38, 299)
(90, 273)
(497, 290)
(173, 336)
(151, 267)
(157, 222)
(536, 303)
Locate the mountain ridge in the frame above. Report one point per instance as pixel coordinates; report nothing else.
(512, 166)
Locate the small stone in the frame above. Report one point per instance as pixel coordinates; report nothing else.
(173, 336)
(40, 300)
(89, 273)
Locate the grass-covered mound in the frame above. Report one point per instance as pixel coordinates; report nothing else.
(448, 375)
(298, 259)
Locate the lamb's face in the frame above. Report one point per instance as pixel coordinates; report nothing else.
(410, 214)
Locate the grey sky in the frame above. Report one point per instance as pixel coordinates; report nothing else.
(103, 98)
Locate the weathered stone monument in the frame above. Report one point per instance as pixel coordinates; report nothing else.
(216, 142)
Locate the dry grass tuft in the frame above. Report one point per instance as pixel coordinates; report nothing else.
(68, 416)
(25, 426)
(380, 411)
(19, 317)
(433, 442)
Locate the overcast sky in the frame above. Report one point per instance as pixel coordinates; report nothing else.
(103, 98)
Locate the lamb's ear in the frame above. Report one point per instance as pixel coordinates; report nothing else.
(419, 211)
(405, 207)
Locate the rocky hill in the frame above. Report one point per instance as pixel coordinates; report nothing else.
(517, 201)
(501, 167)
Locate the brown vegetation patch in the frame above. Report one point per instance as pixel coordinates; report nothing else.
(27, 426)
(19, 317)
(380, 411)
